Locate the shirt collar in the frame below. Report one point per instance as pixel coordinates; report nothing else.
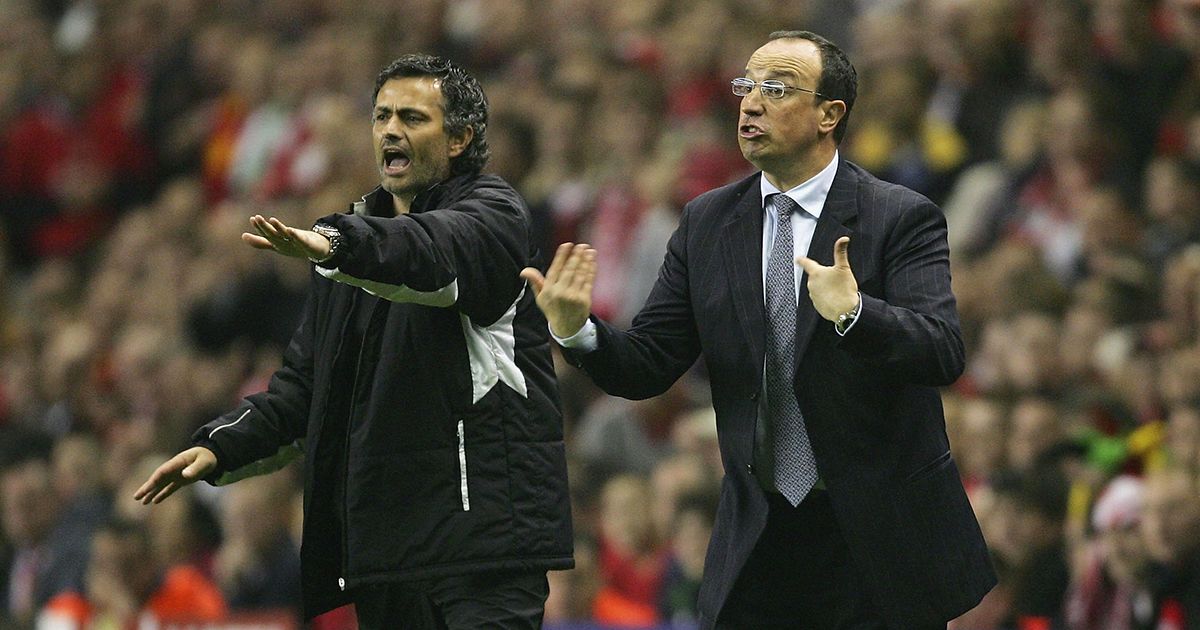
(811, 194)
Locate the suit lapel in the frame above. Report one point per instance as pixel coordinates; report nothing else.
(841, 208)
(742, 247)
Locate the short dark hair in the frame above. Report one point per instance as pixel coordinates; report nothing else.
(462, 99)
(839, 80)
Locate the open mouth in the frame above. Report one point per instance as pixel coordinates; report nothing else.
(749, 131)
(395, 161)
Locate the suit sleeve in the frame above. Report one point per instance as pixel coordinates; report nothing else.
(911, 332)
(468, 255)
(267, 420)
(662, 342)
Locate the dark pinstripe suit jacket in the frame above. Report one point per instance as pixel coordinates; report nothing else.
(869, 399)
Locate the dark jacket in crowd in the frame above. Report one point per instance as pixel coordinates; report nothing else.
(422, 381)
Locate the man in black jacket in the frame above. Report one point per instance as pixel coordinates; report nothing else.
(421, 379)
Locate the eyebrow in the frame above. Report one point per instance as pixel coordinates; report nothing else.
(384, 109)
(773, 73)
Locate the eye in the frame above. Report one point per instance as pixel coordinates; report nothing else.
(773, 89)
(413, 119)
(380, 116)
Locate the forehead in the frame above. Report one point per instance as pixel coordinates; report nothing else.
(788, 57)
(416, 92)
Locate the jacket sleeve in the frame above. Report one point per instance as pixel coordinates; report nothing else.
(662, 342)
(467, 255)
(268, 420)
(912, 332)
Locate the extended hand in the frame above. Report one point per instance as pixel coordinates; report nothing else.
(289, 241)
(565, 293)
(833, 290)
(184, 469)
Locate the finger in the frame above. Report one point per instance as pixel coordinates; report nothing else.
(167, 491)
(256, 241)
(809, 265)
(263, 230)
(144, 489)
(571, 267)
(192, 471)
(841, 253)
(280, 228)
(560, 258)
(147, 492)
(259, 224)
(156, 479)
(268, 229)
(535, 279)
(295, 237)
(586, 273)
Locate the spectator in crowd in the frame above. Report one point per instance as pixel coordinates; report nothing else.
(690, 532)
(632, 561)
(46, 552)
(1110, 589)
(126, 585)
(1171, 538)
(1041, 575)
(1035, 426)
(258, 565)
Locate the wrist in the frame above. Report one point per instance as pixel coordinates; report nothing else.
(333, 235)
(846, 318)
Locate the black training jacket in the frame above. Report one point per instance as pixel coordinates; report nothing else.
(422, 383)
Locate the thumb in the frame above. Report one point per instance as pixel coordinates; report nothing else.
(194, 469)
(535, 279)
(841, 253)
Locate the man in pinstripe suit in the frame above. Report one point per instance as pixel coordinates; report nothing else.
(820, 299)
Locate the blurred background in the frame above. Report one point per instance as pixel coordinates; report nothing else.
(1061, 137)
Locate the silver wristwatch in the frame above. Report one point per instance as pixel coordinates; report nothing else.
(846, 319)
(334, 236)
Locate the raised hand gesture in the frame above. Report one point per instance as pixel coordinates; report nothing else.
(833, 290)
(565, 293)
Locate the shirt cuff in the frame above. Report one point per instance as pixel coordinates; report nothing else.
(853, 318)
(585, 340)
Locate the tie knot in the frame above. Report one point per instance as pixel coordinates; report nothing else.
(785, 205)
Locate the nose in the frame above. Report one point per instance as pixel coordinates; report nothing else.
(752, 103)
(391, 129)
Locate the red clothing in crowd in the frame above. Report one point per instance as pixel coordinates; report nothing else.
(185, 595)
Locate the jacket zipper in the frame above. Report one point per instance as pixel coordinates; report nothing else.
(462, 467)
(346, 449)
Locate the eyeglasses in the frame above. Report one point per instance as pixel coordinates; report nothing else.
(769, 88)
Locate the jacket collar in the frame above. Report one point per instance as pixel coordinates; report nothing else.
(378, 202)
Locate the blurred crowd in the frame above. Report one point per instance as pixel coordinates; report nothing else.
(1061, 138)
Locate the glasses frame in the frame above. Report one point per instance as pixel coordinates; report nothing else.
(770, 88)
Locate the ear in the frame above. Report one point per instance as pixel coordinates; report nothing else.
(460, 142)
(833, 112)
